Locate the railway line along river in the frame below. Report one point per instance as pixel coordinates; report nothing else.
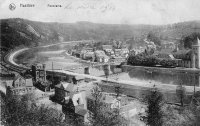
(135, 77)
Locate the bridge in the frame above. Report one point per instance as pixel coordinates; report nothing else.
(121, 83)
(91, 64)
(106, 81)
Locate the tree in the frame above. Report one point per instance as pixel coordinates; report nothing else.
(102, 115)
(167, 63)
(95, 106)
(142, 60)
(154, 101)
(152, 37)
(180, 92)
(189, 40)
(195, 108)
(176, 116)
(106, 69)
(23, 111)
(71, 117)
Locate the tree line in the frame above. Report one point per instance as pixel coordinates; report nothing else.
(149, 60)
(24, 111)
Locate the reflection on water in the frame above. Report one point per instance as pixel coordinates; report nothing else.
(62, 61)
(99, 70)
(188, 79)
(157, 77)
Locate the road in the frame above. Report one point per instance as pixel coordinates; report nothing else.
(123, 83)
(12, 55)
(127, 84)
(82, 41)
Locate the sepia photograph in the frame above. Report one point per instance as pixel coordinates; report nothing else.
(100, 63)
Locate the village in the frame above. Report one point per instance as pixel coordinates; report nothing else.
(76, 91)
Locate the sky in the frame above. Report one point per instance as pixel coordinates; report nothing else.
(155, 12)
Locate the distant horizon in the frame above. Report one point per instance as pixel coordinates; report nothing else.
(147, 12)
(99, 23)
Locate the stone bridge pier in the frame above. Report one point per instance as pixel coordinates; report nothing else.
(106, 68)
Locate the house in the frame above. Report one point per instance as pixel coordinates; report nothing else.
(121, 52)
(189, 58)
(5, 83)
(62, 90)
(150, 45)
(139, 50)
(110, 100)
(88, 56)
(88, 49)
(168, 45)
(87, 53)
(106, 59)
(125, 52)
(77, 53)
(118, 52)
(184, 58)
(76, 104)
(71, 99)
(22, 85)
(101, 56)
(119, 44)
(108, 49)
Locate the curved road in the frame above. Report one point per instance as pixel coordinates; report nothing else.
(122, 83)
(12, 55)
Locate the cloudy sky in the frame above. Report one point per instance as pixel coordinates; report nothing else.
(105, 11)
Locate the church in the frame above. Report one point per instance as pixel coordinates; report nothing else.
(189, 58)
(196, 55)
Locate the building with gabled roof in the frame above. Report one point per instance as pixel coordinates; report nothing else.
(189, 58)
(76, 104)
(107, 47)
(72, 100)
(101, 56)
(196, 55)
(21, 85)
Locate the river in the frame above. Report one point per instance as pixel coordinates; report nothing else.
(59, 60)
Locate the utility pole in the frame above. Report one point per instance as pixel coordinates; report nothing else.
(52, 74)
(194, 84)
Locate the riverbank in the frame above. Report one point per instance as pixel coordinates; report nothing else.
(162, 69)
(130, 84)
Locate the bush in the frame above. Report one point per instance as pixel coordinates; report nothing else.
(154, 111)
(102, 115)
(142, 60)
(189, 40)
(149, 60)
(167, 63)
(23, 110)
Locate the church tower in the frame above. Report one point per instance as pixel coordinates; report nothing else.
(196, 54)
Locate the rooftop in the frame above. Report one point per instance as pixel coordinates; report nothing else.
(67, 86)
(198, 42)
(106, 47)
(182, 52)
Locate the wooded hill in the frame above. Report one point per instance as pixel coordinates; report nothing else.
(16, 31)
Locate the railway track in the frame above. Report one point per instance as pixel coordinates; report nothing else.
(10, 66)
(5, 63)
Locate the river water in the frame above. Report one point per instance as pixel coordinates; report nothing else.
(62, 61)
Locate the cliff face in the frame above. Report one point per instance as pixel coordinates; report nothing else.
(16, 31)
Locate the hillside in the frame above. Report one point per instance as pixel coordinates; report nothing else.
(16, 31)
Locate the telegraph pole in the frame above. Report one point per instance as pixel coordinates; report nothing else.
(52, 74)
